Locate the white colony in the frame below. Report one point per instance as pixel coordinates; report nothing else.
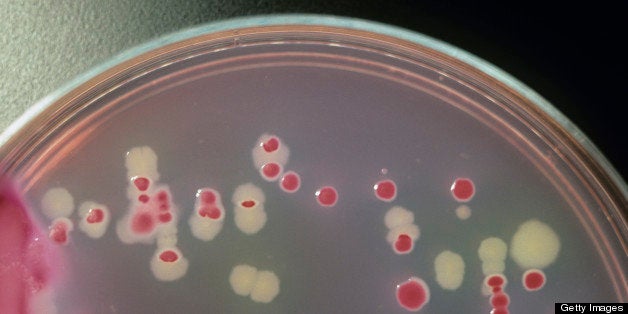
(262, 157)
(463, 212)
(249, 220)
(398, 216)
(492, 252)
(266, 287)
(203, 227)
(168, 270)
(534, 245)
(242, 279)
(262, 286)
(248, 191)
(93, 230)
(57, 202)
(141, 161)
(167, 235)
(493, 267)
(449, 268)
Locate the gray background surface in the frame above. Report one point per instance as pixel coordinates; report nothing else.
(569, 55)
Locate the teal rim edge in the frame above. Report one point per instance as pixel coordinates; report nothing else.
(333, 21)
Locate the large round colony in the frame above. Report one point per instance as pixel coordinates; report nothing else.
(449, 269)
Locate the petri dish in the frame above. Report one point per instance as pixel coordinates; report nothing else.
(309, 164)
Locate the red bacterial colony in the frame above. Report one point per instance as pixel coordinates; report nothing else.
(143, 198)
(403, 244)
(271, 145)
(248, 204)
(499, 299)
(413, 294)
(327, 196)
(95, 215)
(533, 279)
(142, 222)
(141, 183)
(208, 204)
(271, 171)
(165, 217)
(59, 231)
(463, 189)
(385, 190)
(290, 182)
(168, 256)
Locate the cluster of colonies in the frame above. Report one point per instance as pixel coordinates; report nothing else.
(402, 231)
(153, 216)
(58, 205)
(463, 191)
(270, 156)
(533, 247)
(261, 286)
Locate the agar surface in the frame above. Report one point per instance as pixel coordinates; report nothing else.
(152, 218)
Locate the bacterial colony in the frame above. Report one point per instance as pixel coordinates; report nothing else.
(153, 218)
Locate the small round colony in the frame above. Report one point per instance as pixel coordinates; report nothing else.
(463, 212)
(413, 294)
(57, 202)
(449, 268)
(262, 286)
(463, 189)
(402, 232)
(385, 190)
(534, 245)
(533, 279)
(94, 219)
(326, 196)
(59, 230)
(290, 182)
(209, 213)
(249, 214)
(168, 264)
(270, 155)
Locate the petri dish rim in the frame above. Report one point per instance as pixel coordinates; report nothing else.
(596, 158)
